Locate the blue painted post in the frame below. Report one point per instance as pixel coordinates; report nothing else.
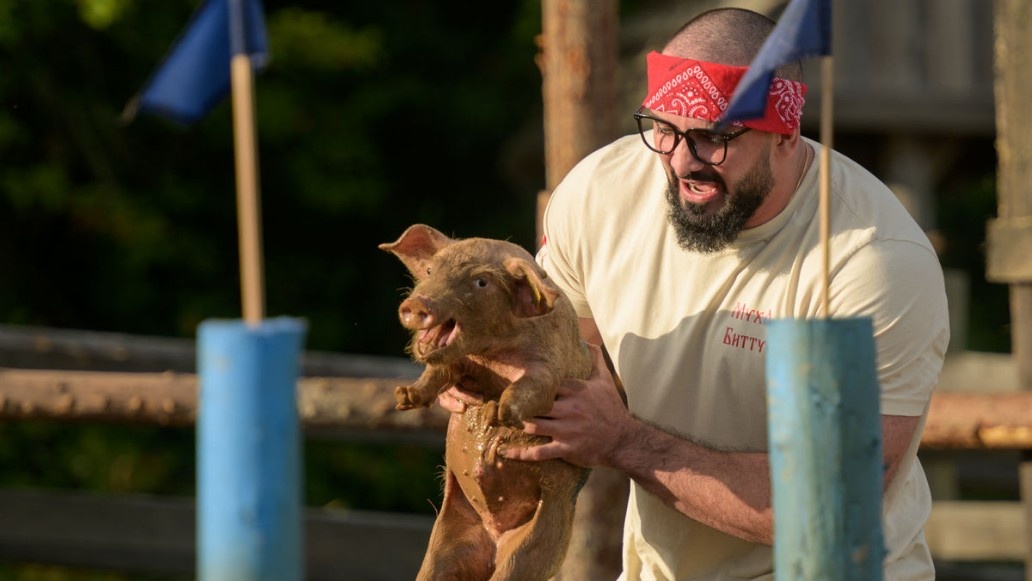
(249, 451)
(824, 431)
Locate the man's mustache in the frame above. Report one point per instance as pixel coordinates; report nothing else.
(703, 176)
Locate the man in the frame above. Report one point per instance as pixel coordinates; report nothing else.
(676, 253)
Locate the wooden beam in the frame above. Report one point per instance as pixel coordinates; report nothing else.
(48, 348)
(170, 399)
(977, 531)
(157, 535)
(978, 372)
(366, 406)
(979, 421)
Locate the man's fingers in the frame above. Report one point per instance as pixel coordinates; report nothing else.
(450, 403)
(532, 453)
(456, 400)
(535, 427)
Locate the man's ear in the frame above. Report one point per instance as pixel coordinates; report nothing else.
(533, 294)
(791, 140)
(416, 248)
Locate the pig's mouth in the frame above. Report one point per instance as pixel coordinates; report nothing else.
(435, 338)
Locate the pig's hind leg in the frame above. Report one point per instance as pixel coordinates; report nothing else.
(535, 550)
(460, 548)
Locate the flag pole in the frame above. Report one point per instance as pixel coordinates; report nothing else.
(824, 192)
(246, 154)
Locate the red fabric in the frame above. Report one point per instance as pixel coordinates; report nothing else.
(702, 90)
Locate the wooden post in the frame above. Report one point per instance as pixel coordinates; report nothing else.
(825, 449)
(1010, 234)
(578, 62)
(245, 147)
(249, 491)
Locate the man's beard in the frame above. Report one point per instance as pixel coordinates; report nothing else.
(700, 231)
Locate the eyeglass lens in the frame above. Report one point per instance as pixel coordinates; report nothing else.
(708, 147)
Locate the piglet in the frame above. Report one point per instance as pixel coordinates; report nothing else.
(485, 317)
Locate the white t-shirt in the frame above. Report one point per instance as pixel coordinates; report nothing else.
(686, 331)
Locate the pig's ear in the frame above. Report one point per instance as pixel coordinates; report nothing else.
(533, 294)
(416, 247)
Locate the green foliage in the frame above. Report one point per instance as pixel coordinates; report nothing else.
(371, 116)
(365, 126)
(51, 573)
(102, 13)
(92, 457)
(369, 476)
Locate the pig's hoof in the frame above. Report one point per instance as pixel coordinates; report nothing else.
(490, 413)
(509, 417)
(406, 397)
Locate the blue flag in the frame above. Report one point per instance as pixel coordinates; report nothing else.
(194, 77)
(803, 31)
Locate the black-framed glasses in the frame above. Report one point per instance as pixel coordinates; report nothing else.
(709, 147)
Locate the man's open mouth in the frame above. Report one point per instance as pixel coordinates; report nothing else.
(699, 192)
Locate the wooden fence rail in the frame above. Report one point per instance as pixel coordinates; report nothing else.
(155, 535)
(58, 375)
(955, 420)
(171, 399)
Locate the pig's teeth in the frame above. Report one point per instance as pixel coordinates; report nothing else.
(448, 333)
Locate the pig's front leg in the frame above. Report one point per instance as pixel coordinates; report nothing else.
(530, 395)
(434, 380)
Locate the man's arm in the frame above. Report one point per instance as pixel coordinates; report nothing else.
(726, 490)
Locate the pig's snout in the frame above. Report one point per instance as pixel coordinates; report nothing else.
(416, 313)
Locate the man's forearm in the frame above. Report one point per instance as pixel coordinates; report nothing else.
(728, 491)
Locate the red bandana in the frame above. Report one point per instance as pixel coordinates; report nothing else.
(702, 90)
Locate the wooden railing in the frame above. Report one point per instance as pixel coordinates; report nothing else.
(354, 398)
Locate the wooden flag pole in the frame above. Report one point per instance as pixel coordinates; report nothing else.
(248, 207)
(827, 120)
(245, 145)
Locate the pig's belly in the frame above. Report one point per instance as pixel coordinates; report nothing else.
(506, 493)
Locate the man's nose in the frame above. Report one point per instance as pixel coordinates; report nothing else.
(682, 161)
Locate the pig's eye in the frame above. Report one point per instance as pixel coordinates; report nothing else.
(428, 270)
(480, 282)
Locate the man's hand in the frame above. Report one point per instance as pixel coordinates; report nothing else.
(581, 408)
(455, 399)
